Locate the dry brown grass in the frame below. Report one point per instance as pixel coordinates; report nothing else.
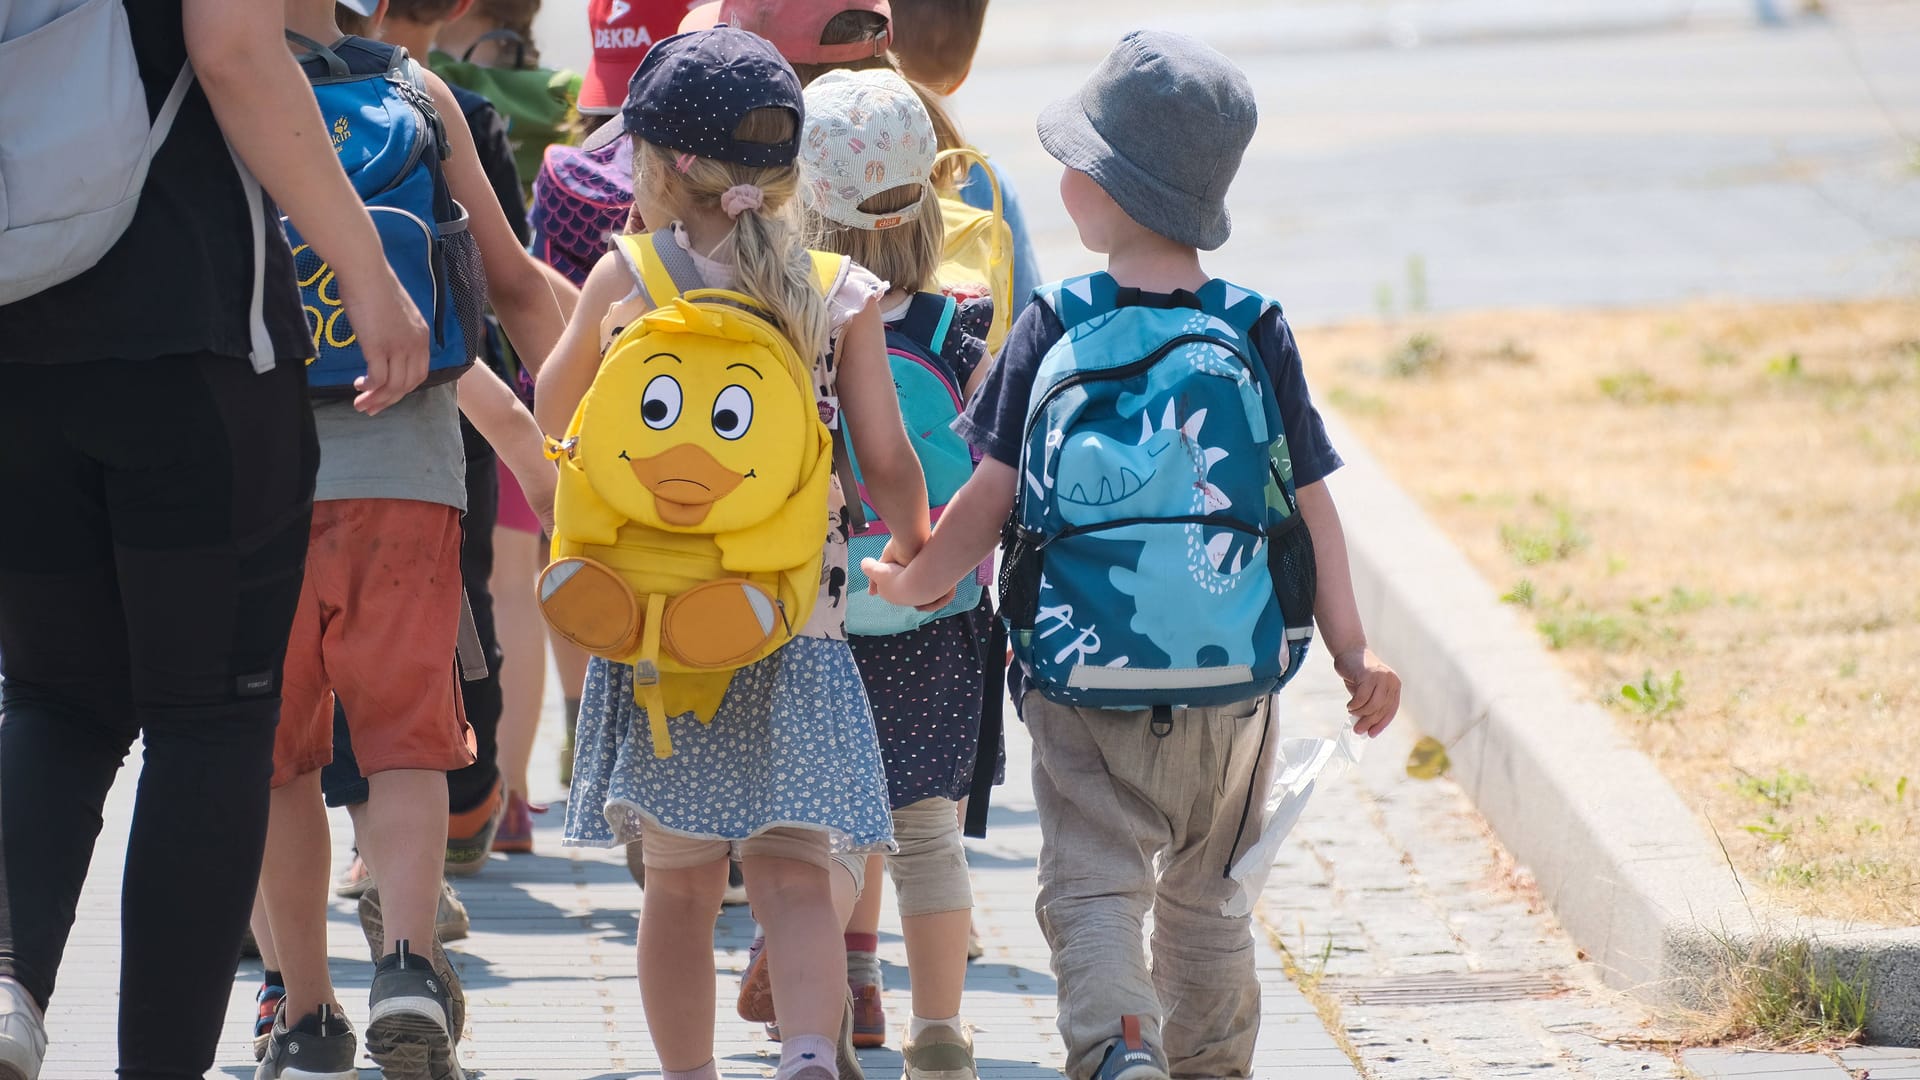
(1713, 514)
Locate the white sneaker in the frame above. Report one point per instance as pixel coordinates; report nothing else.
(942, 1052)
(23, 1038)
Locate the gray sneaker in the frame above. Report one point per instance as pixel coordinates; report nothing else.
(409, 1032)
(374, 927)
(1130, 1058)
(320, 1047)
(942, 1052)
(23, 1037)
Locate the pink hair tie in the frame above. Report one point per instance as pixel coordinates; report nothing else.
(683, 163)
(738, 200)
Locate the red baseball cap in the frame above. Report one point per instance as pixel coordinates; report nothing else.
(795, 26)
(623, 31)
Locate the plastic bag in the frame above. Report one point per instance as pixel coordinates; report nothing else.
(1289, 781)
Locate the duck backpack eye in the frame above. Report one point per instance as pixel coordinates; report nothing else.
(392, 144)
(1156, 556)
(930, 401)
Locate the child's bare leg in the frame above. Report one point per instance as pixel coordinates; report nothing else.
(795, 903)
(866, 910)
(523, 641)
(403, 837)
(676, 961)
(263, 930)
(936, 904)
(937, 957)
(293, 881)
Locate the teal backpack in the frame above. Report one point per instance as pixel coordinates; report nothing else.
(1156, 556)
(930, 401)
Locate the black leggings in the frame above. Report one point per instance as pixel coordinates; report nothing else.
(157, 531)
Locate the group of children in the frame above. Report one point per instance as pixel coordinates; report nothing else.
(766, 131)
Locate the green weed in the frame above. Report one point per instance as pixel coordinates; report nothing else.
(1908, 503)
(1521, 595)
(1771, 829)
(1654, 697)
(1584, 627)
(1786, 366)
(1637, 388)
(1718, 356)
(1560, 539)
(1777, 791)
(1421, 353)
(1416, 283)
(1778, 994)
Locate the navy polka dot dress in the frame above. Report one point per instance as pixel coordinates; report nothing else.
(927, 687)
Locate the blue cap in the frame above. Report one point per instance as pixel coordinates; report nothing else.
(693, 89)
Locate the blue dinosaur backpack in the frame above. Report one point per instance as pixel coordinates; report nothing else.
(930, 401)
(390, 139)
(1156, 556)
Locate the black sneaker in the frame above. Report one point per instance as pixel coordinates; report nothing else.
(409, 1032)
(320, 1047)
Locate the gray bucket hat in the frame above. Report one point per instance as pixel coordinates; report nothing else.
(1161, 126)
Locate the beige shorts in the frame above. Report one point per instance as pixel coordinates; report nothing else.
(663, 850)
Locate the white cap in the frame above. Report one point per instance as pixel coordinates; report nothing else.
(866, 132)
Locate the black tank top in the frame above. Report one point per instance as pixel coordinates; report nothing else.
(180, 280)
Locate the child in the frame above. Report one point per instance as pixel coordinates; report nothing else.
(926, 684)
(1150, 145)
(377, 622)
(934, 42)
(788, 770)
(517, 677)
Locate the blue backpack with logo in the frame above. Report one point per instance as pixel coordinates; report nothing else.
(1156, 556)
(391, 141)
(930, 401)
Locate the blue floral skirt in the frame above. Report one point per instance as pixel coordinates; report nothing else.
(792, 745)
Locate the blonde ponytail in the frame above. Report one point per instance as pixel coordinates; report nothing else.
(769, 252)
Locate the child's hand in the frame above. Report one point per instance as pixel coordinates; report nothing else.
(539, 489)
(1374, 690)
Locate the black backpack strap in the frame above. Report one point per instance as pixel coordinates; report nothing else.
(986, 757)
(336, 67)
(505, 37)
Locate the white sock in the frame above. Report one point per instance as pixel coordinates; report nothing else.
(920, 1024)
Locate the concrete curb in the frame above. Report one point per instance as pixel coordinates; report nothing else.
(1629, 869)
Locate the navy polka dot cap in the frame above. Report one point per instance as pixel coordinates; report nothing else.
(693, 89)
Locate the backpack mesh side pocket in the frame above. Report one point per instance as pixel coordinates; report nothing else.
(1019, 575)
(466, 284)
(1290, 562)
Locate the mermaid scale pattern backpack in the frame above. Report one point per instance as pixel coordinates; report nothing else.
(1156, 557)
(581, 200)
(690, 519)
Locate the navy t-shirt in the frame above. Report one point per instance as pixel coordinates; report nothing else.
(996, 418)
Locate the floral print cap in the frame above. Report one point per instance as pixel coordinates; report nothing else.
(866, 132)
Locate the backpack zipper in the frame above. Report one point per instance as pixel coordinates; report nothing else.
(1126, 371)
(1180, 519)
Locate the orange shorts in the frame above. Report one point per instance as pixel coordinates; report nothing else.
(378, 625)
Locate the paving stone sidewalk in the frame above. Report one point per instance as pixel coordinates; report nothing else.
(549, 969)
(1443, 962)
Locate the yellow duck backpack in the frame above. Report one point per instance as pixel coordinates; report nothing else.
(979, 245)
(691, 513)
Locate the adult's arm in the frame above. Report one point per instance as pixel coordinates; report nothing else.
(266, 109)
